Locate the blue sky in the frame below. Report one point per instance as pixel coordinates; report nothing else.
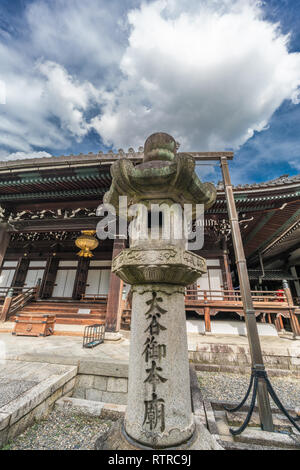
(216, 74)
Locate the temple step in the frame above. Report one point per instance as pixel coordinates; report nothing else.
(67, 313)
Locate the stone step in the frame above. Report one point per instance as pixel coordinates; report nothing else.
(268, 439)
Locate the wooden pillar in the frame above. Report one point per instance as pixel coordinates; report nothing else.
(263, 400)
(47, 285)
(277, 324)
(113, 311)
(227, 266)
(293, 318)
(6, 305)
(21, 272)
(280, 322)
(4, 242)
(270, 318)
(81, 278)
(207, 320)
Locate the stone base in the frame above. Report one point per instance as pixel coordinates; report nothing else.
(117, 439)
(112, 336)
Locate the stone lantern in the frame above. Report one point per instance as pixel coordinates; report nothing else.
(159, 413)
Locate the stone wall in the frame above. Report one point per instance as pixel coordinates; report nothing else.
(103, 382)
(34, 405)
(236, 358)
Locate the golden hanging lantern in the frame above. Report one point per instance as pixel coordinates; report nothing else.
(86, 242)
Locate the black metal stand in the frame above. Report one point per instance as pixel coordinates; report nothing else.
(257, 375)
(93, 335)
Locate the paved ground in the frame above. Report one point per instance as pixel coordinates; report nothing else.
(61, 432)
(59, 349)
(68, 349)
(20, 379)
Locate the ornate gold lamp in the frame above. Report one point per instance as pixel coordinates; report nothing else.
(86, 242)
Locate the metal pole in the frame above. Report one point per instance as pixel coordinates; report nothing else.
(252, 332)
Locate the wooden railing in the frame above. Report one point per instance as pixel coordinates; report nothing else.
(94, 297)
(16, 298)
(194, 295)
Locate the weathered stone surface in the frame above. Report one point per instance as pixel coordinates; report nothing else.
(111, 336)
(4, 420)
(76, 405)
(9, 390)
(117, 385)
(236, 419)
(115, 397)
(115, 439)
(160, 265)
(272, 439)
(79, 393)
(93, 394)
(100, 382)
(69, 386)
(113, 411)
(84, 381)
(108, 369)
(179, 423)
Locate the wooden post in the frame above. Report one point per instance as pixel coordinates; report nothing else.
(293, 318)
(81, 278)
(227, 266)
(280, 323)
(207, 320)
(21, 272)
(6, 305)
(263, 400)
(113, 310)
(49, 278)
(4, 242)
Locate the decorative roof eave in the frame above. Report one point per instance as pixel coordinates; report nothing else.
(53, 195)
(59, 182)
(91, 158)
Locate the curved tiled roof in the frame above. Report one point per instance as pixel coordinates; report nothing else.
(280, 181)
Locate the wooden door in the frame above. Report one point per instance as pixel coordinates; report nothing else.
(64, 283)
(6, 277)
(32, 277)
(98, 282)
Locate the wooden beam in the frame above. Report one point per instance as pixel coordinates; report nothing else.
(113, 312)
(263, 400)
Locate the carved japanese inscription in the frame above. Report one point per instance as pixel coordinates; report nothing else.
(154, 352)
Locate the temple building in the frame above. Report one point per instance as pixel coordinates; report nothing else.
(47, 204)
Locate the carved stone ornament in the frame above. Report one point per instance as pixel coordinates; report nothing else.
(137, 266)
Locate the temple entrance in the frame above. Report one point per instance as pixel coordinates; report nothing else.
(98, 282)
(211, 283)
(65, 279)
(35, 272)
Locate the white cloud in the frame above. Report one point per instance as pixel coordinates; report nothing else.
(23, 155)
(295, 164)
(210, 73)
(66, 99)
(55, 78)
